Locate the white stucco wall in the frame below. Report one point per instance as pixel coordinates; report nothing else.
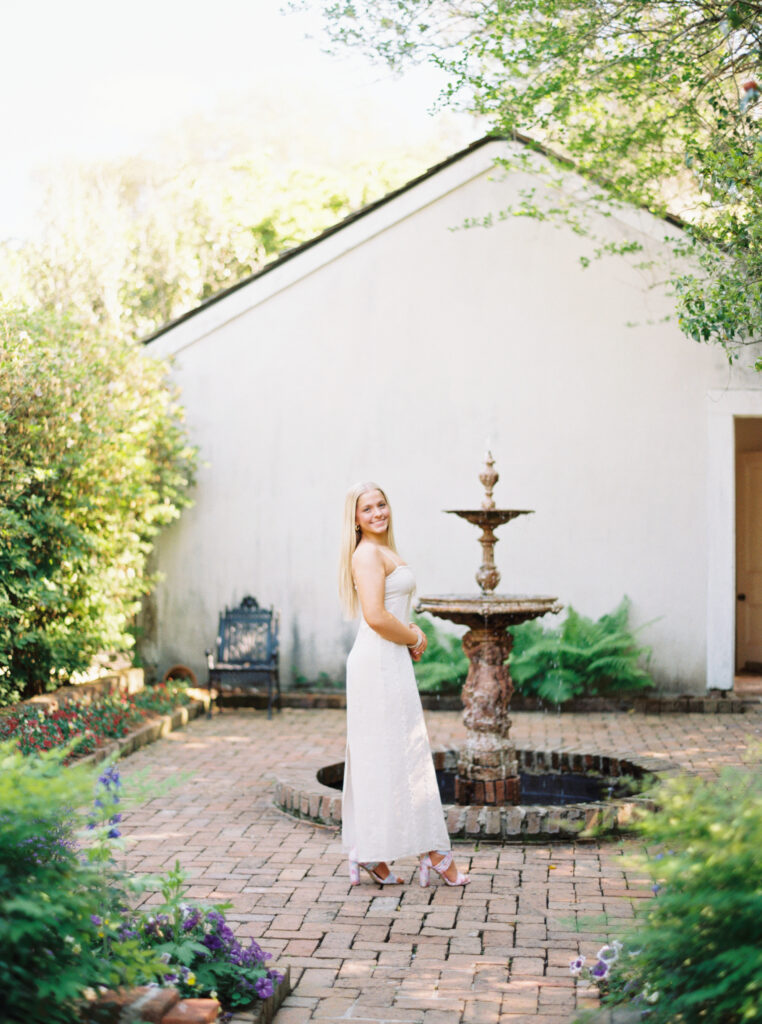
(392, 351)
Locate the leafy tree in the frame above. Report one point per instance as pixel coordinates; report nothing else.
(131, 245)
(657, 102)
(93, 462)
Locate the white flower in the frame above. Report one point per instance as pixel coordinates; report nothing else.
(90, 994)
(610, 954)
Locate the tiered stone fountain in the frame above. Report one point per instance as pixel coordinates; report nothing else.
(487, 770)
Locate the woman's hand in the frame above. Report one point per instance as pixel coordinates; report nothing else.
(416, 653)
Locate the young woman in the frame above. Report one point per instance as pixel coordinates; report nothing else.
(391, 805)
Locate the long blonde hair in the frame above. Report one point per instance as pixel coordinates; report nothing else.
(350, 538)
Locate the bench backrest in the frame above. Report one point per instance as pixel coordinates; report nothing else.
(247, 635)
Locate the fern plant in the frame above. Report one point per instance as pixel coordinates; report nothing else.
(444, 666)
(581, 657)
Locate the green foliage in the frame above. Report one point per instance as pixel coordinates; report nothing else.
(696, 953)
(579, 657)
(323, 681)
(657, 104)
(59, 907)
(93, 462)
(444, 666)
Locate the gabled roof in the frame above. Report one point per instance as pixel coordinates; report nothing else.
(364, 211)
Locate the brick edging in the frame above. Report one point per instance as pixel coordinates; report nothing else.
(682, 704)
(301, 793)
(163, 1005)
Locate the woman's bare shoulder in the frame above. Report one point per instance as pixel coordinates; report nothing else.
(367, 556)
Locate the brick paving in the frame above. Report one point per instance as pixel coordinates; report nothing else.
(497, 950)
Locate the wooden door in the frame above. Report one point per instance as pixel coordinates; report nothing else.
(749, 560)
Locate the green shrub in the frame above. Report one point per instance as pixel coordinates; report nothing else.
(579, 657)
(323, 681)
(444, 666)
(93, 462)
(695, 956)
(60, 905)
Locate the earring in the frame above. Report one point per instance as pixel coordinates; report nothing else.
(357, 527)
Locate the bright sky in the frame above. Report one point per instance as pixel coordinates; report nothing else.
(93, 79)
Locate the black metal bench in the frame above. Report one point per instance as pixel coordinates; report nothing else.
(247, 652)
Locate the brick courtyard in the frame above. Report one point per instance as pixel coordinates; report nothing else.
(498, 949)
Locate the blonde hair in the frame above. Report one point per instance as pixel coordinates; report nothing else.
(350, 538)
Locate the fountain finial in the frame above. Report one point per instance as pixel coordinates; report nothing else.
(489, 477)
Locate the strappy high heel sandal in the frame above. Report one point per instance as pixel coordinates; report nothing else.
(427, 865)
(370, 867)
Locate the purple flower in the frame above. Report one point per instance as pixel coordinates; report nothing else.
(275, 976)
(114, 833)
(655, 888)
(600, 970)
(191, 921)
(110, 778)
(212, 941)
(264, 987)
(257, 952)
(95, 919)
(576, 965)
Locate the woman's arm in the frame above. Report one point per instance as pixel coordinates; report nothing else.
(369, 574)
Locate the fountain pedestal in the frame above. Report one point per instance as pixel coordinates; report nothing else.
(487, 766)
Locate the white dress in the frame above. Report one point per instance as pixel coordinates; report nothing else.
(391, 806)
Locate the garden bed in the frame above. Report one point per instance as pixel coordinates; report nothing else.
(102, 724)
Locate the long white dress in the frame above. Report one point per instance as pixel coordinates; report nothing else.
(391, 806)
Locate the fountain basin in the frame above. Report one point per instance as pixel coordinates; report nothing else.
(496, 611)
(311, 792)
(489, 518)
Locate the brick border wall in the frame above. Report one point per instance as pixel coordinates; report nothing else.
(302, 793)
(683, 704)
